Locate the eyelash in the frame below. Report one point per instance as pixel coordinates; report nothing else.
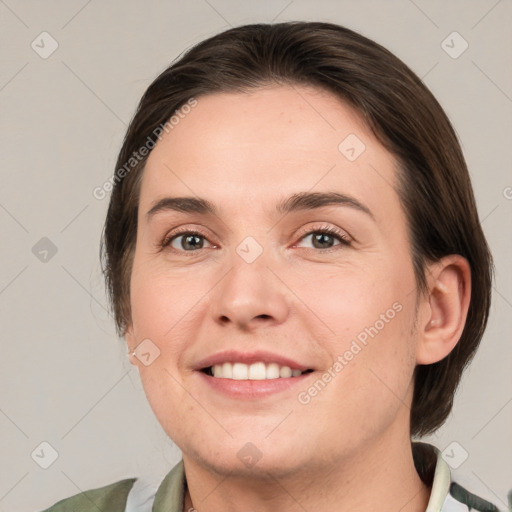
(327, 230)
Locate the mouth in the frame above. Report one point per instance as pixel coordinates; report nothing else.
(251, 375)
(255, 371)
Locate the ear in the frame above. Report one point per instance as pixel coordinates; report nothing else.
(443, 310)
(131, 342)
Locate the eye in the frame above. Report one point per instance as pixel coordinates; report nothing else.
(324, 238)
(185, 241)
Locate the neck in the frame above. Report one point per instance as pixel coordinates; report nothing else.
(382, 478)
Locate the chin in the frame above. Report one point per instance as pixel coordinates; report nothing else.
(267, 467)
(262, 459)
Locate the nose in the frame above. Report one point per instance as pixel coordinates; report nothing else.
(251, 294)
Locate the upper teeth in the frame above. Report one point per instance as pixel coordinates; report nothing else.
(255, 371)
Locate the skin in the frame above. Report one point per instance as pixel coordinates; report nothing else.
(349, 447)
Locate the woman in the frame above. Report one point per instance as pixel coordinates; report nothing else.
(294, 258)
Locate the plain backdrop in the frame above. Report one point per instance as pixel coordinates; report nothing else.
(66, 381)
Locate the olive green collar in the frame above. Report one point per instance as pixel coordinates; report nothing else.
(171, 492)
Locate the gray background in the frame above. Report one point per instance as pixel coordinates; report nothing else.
(65, 377)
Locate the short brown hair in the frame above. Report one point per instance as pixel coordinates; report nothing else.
(434, 185)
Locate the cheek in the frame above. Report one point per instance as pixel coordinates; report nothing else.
(356, 302)
(163, 302)
(371, 374)
(370, 315)
(164, 311)
(172, 407)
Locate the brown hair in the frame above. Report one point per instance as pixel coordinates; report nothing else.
(434, 185)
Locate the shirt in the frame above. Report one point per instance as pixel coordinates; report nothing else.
(138, 495)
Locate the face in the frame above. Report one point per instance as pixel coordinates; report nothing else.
(278, 327)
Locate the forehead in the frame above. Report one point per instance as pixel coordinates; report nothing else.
(271, 142)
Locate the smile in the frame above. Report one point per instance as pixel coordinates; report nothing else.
(255, 371)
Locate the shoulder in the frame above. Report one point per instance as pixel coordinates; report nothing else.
(111, 497)
(446, 495)
(471, 501)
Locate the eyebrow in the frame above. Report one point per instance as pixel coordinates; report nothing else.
(296, 202)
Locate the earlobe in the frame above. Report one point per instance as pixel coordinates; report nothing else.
(131, 344)
(446, 308)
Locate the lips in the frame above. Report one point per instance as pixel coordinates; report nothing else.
(236, 365)
(251, 375)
